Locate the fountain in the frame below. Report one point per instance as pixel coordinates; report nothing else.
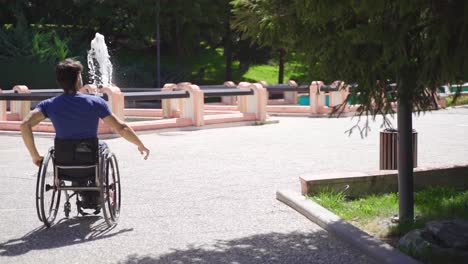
(100, 74)
(99, 64)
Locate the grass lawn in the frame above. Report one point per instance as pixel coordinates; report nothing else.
(373, 213)
(462, 100)
(269, 72)
(203, 67)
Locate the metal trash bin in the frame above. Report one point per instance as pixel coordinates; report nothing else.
(389, 149)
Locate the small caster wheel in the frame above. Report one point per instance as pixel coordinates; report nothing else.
(67, 209)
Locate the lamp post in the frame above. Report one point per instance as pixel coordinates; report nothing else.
(158, 52)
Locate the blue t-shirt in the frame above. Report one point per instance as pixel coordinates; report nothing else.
(75, 116)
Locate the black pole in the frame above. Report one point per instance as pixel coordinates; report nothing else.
(158, 52)
(228, 51)
(282, 53)
(405, 155)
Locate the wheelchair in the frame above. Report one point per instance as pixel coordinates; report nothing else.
(80, 168)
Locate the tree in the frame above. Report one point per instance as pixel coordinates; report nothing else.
(7, 12)
(132, 22)
(129, 21)
(185, 28)
(228, 42)
(417, 44)
(265, 23)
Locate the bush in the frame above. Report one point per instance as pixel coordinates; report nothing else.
(15, 42)
(48, 47)
(36, 44)
(29, 54)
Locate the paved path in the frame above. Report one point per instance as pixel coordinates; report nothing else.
(208, 196)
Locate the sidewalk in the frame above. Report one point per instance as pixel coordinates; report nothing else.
(208, 196)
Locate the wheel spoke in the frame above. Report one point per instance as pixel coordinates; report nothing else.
(52, 202)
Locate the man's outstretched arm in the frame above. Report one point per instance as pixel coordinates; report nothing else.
(34, 117)
(126, 132)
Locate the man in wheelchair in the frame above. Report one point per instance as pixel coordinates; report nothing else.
(78, 156)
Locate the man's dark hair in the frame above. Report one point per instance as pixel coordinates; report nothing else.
(67, 74)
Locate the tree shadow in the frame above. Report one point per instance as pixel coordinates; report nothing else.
(434, 204)
(293, 247)
(66, 232)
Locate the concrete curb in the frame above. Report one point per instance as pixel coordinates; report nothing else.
(380, 251)
(162, 130)
(358, 184)
(18, 134)
(308, 115)
(213, 126)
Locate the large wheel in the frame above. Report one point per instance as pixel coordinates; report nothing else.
(110, 190)
(38, 191)
(47, 195)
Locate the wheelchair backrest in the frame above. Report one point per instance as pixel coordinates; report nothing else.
(76, 152)
(82, 152)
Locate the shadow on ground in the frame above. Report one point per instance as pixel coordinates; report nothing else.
(293, 247)
(64, 233)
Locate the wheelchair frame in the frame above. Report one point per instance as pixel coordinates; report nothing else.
(110, 194)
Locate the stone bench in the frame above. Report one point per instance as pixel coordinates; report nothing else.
(230, 99)
(251, 98)
(337, 94)
(290, 90)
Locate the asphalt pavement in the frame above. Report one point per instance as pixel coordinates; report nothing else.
(208, 196)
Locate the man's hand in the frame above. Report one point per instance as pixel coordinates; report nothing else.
(144, 151)
(38, 160)
(33, 118)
